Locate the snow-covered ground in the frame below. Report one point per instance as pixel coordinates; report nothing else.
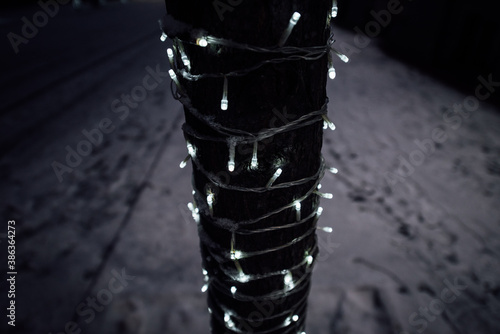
(416, 208)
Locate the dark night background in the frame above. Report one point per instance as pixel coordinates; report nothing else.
(412, 215)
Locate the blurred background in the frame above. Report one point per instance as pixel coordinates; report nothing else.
(91, 143)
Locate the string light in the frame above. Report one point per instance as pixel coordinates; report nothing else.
(163, 37)
(293, 21)
(230, 163)
(275, 176)
(255, 162)
(234, 137)
(224, 102)
(333, 170)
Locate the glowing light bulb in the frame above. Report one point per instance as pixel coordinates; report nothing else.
(191, 149)
(319, 211)
(331, 70)
(194, 212)
(287, 322)
(163, 37)
(288, 280)
(224, 102)
(210, 202)
(324, 195)
(327, 122)
(184, 162)
(236, 255)
(275, 176)
(293, 21)
(255, 162)
(333, 170)
(228, 321)
(297, 210)
(344, 58)
(242, 277)
(204, 288)
(332, 73)
(185, 61)
(204, 272)
(170, 55)
(202, 41)
(230, 163)
(319, 186)
(309, 259)
(327, 229)
(233, 290)
(295, 318)
(335, 9)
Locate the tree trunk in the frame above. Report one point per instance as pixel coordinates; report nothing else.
(256, 226)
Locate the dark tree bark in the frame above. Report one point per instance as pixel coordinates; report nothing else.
(248, 291)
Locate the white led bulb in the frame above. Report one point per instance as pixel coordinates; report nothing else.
(293, 21)
(275, 176)
(224, 102)
(297, 210)
(255, 162)
(202, 41)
